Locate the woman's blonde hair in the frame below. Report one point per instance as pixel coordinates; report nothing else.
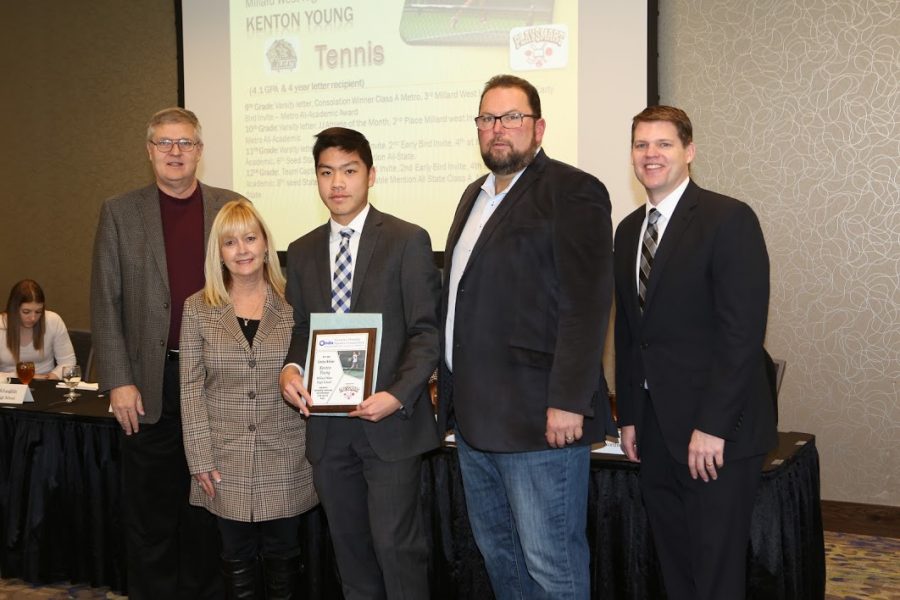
(235, 219)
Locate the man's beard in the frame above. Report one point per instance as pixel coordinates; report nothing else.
(511, 163)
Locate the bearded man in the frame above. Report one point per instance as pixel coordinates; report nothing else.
(529, 283)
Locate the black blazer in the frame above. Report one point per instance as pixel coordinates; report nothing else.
(532, 310)
(699, 342)
(393, 274)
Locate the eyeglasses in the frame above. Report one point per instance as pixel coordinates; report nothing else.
(511, 120)
(185, 145)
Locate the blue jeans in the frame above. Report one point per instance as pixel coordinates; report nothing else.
(528, 512)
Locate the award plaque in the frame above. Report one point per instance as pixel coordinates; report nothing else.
(341, 368)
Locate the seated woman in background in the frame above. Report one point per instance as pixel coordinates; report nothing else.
(30, 333)
(245, 446)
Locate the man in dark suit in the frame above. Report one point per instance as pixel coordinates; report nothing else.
(692, 294)
(366, 466)
(148, 258)
(525, 307)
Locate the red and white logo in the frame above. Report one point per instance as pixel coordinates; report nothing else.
(539, 47)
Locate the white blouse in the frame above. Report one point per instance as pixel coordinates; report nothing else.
(57, 351)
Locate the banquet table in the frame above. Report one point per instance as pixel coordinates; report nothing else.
(60, 495)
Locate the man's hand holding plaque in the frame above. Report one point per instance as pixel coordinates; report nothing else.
(376, 407)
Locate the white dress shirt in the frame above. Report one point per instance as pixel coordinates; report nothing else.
(666, 207)
(334, 240)
(485, 205)
(334, 244)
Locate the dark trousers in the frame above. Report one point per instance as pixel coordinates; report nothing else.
(700, 530)
(173, 548)
(245, 541)
(374, 516)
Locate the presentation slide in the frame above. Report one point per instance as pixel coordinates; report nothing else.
(264, 76)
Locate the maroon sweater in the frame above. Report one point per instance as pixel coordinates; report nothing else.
(182, 221)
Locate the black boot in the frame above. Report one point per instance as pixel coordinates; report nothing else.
(240, 579)
(282, 575)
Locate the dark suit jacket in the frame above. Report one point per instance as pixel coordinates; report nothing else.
(532, 310)
(393, 274)
(699, 342)
(130, 291)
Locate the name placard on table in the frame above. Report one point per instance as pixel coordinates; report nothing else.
(15, 393)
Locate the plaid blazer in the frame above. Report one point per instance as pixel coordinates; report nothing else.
(234, 418)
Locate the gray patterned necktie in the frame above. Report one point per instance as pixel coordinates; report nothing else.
(648, 251)
(340, 282)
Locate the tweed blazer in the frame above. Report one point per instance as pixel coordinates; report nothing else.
(233, 416)
(130, 299)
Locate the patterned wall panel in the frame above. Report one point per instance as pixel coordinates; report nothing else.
(795, 110)
(80, 81)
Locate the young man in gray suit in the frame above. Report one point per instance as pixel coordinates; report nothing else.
(526, 307)
(148, 258)
(366, 466)
(695, 404)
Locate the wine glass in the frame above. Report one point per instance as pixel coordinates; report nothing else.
(25, 371)
(71, 376)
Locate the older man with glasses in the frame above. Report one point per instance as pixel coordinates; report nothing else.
(148, 258)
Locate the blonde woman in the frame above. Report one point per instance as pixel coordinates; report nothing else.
(245, 446)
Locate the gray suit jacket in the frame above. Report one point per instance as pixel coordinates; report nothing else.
(130, 303)
(394, 274)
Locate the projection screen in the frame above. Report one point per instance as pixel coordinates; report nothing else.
(264, 76)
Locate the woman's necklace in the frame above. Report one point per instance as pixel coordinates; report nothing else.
(256, 310)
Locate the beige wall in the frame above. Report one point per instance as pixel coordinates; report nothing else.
(80, 80)
(795, 110)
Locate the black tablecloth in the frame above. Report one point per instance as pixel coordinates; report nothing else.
(786, 555)
(60, 490)
(60, 495)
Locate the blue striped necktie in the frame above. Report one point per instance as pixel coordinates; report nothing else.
(343, 271)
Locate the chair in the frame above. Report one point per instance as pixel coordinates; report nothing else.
(84, 351)
(780, 366)
(775, 370)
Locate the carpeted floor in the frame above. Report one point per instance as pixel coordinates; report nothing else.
(858, 567)
(15, 589)
(861, 566)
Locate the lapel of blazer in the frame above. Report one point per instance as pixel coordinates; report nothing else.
(322, 266)
(229, 323)
(681, 219)
(631, 237)
(515, 195)
(367, 243)
(151, 217)
(460, 218)
(270, 317)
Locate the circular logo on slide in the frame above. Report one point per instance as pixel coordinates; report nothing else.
(282, 56)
